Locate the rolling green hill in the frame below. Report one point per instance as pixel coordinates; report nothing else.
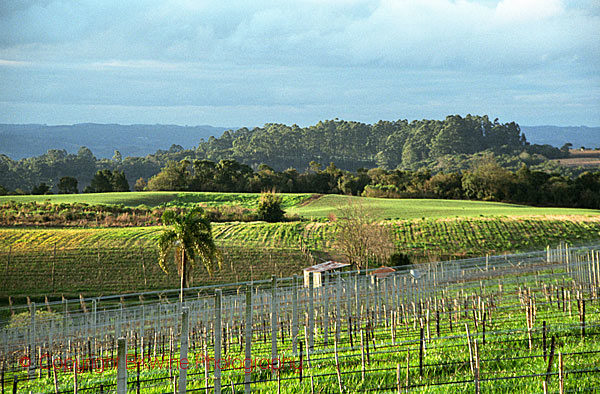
(384, 208)
(314, 206)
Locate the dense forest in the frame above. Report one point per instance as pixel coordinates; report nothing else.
(238, 158)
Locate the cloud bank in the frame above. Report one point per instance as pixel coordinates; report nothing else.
(309, 59)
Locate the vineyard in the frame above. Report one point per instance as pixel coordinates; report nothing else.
(511, 323)
(38, 262)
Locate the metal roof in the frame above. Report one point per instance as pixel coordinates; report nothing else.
(326, 266)
(382, 272)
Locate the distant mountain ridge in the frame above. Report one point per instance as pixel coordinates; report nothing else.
(26, 140)
(558, 136)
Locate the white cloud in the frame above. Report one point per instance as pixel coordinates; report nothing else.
(528, 10)
(408, 33)
(13, 63)
(268, 52)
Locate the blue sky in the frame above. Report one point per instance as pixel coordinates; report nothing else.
(246, 63)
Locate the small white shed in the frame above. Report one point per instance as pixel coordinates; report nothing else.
(318, 270)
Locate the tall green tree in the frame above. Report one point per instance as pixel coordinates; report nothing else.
(67, 185)
(101, 182)
(190, 239)
(119, 182)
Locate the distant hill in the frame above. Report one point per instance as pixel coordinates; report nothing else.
(19, 141)
(558, 136)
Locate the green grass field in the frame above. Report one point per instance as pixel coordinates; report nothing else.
(384, 208)
(152, 199)
(316, 208)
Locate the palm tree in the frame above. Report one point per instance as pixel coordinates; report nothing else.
(190, 237)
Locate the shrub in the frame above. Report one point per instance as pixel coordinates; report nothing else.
(269, 207)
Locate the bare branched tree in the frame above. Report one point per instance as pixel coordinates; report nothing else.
(360, 238)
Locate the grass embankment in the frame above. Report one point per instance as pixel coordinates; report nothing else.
(119, 260)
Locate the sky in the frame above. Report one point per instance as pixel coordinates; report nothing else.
(247, 63)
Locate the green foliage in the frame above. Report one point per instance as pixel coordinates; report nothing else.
(42, 188)
(269, 207)
(119, 182)
(23, 319)
(175, 176)
(190, 238)
(67, 185)
(216, 164)
(140, 185)
(108, 181)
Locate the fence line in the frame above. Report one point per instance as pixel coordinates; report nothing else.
(268, 317)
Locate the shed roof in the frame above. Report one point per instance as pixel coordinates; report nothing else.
(326, 266)
(382, 272)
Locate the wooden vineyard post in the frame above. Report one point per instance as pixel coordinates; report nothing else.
(75, 383)
(470, 348)
(362, 354)
(274, 306)
(349, 309)
(32, 341)
(248, 344)
(546, 380)
(311, 321)
(325, 300)
(337, 364)
(217, 330)
(121, 366)
(583, 318)
(54, 378)
(561, 374)
(301, 362)
(407, 368)
(544, 339)
(476, 374)
(398, 371)
(338, 309)
(295, 314)
(183, 349)
(421, 343)
(307, 348)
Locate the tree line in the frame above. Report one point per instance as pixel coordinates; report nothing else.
(453, 145)
(487, 181)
